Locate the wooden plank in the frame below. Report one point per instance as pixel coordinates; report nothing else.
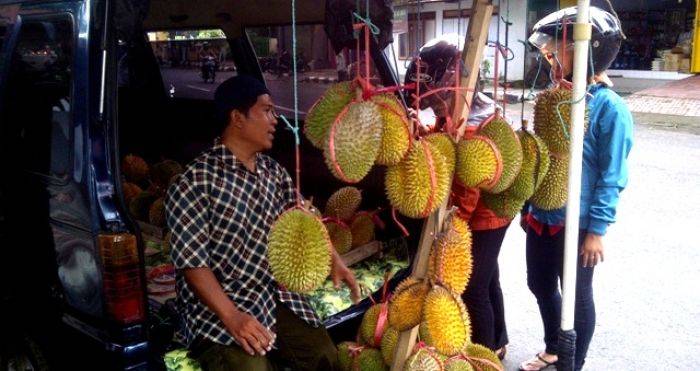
(361, 253)
(472, 54)
(474, 45)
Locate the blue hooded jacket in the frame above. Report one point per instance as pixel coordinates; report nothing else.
(606, 145)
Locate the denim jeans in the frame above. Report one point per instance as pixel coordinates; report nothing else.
(483, 296)
(545, 257)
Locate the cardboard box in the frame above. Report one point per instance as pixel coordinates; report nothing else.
(671, 66)
(672, 58)
(685, 65)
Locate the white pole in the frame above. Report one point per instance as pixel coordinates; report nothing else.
(582, 36)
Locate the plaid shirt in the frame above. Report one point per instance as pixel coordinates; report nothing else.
(220, 214)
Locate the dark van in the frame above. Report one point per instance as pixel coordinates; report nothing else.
(82, 84)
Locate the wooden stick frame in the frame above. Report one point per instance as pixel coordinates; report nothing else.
(472, 54)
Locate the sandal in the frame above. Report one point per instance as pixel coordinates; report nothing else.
(535, 364)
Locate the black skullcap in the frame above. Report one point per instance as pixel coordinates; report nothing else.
(239, 92)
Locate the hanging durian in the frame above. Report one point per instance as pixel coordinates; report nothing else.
(353, 141)
(508, 144)
(322, 114)
(299, 250)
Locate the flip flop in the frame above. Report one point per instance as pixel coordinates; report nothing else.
(535, 362)
(501, 352)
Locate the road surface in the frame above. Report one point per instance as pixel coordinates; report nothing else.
(646, 292)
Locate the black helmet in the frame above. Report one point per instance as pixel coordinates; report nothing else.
(605, 38)
(437, 60)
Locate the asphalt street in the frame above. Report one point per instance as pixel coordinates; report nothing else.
(646, 292)
(189, 84)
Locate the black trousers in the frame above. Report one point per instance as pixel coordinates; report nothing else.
(483, 296)
(545, 259)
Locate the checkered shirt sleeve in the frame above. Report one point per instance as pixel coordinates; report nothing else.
(187, 208)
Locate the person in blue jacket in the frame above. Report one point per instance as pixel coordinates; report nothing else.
(607, 143)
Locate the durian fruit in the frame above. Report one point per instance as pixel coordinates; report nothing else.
(508, 144)
(479, 163)
(322, 114)
(353, 141)
(503, 204)
(548, 126)
(420, 182)
(535, 166)
(345, 357)
(156, 213)
(343, 203)
(457, 364)
(164, 172)
(370, 359)
(135, 169)
(299, 251)
(446, 146)
(423, 360)
(340, 235)
(396, 136)
(130, 190)
(140, 205)
(362, 227)
(388, 346)
(368, 328)
(450, 260)
(445, 324)
(406, 305)
(477, 352)
(553, 192)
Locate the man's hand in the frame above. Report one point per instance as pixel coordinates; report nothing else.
(340, 272)
(248, 332)
(592, 250)
(253, 337)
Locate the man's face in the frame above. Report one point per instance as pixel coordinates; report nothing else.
(564, 53)
(258, 127)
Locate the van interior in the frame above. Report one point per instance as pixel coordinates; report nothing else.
(165, 110)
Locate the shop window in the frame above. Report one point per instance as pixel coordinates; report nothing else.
(37, 120)
(192, 62)
(419, 32)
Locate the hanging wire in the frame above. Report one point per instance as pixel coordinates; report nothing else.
(295, 128)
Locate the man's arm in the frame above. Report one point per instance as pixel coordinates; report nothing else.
(248, 332)
(615, 142)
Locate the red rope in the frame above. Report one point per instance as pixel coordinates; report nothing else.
(403, 229)
(331, 146)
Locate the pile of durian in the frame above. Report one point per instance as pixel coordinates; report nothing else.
(348, 228)
(144, 188)
(433, 304)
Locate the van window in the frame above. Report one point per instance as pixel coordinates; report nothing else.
(318, 65)
(183, 56)
(8, 15)
(36, 119)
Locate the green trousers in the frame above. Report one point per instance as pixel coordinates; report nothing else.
(299, 347)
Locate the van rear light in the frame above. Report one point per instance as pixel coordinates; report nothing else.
(124, 296)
